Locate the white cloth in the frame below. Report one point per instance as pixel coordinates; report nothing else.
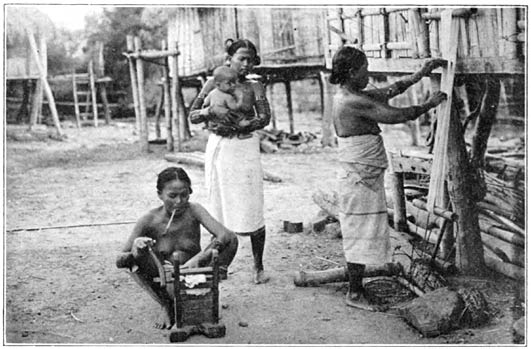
(234, 180)
(362, 206)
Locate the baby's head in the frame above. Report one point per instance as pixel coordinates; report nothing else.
(225, 78)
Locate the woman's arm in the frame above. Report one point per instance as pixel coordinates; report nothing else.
(363, 106)
(261, 105)
(403, 84)
(199, 114)
(126, 259)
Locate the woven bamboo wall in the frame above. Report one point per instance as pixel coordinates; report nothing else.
(490, 38)
(282, 35)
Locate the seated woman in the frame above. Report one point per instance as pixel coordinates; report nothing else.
(174, 227)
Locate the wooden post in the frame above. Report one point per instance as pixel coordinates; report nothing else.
(144, 132)
(167, 103)
(101, 61)
(36, 103)
(321, 94)
(469, 247)
(92, 82)
(47, 89)
(158, 111)
(134, 83)
(174, 99)
(434, 37)
(399, 201)
(269, 88)
(76, 101)
(509, 29)
(327, 138)
(486, 118)
(448, 239)
(105, 102)
(23, 109)
(290, 106)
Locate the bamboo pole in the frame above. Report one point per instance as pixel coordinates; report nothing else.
(415, 35)
(175, 96)
(153, 54)
(495, 263)
(93, 95)
(76, 101)
(434, 36)
(167, 101)
(46, 86)
(134, 82)
(450, 29)
(502, 234)
(144, 132)
(36, 103)
(509, 21)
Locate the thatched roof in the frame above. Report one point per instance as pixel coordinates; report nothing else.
(19, 18)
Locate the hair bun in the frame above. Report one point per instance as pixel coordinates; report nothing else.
(228, 44)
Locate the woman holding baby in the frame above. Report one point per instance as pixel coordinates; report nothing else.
(233, 170)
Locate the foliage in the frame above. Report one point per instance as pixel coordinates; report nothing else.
(112, 28)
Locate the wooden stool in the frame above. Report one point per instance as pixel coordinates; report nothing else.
(196, 304)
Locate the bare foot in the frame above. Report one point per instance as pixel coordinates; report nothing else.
(357, 300)
(165, 320)
(260, 277)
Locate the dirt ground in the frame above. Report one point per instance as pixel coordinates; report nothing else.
(62, 286)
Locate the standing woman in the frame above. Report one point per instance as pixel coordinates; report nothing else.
(356, 114)
(233, 170)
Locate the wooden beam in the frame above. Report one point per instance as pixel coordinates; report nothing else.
(151, 54)
(46, 86)
(464, 65)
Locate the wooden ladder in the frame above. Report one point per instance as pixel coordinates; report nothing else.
(84, 88)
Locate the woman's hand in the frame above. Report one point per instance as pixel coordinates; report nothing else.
(436, 99)
(140, 246)
(431, 64)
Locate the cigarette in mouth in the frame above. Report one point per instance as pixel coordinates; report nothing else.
(169, 222)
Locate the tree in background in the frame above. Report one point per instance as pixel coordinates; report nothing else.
(112, 26)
